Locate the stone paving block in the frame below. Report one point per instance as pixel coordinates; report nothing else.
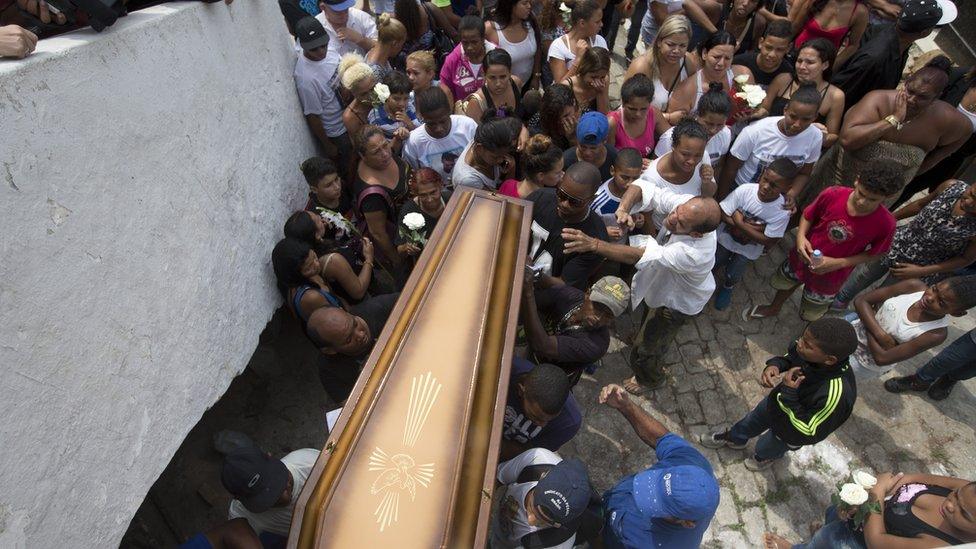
(691, 351)
(701, 382)
(705, 329)
(687, 333)
(690, 411)
(663, 399)
(755, 525)
(711, 404)
(744, 483)
(726, 513)
(731, 539)
(672, 355)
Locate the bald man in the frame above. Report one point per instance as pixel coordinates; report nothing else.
(345, 339)
(674, 271)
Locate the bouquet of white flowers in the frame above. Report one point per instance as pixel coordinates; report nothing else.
(852, 497)
(412, 227)
(342, 226)
(752, 94)
(381, 92)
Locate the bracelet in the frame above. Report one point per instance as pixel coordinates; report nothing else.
(895, 123)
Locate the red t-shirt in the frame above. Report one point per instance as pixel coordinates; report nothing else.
(509, 188)
(838, 234)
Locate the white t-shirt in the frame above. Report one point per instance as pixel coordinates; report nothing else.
(465, 175)
(692, 187)
(605, 204)
(762, 142)
(359, 21)
(277, 520)
(511, 522)
(560, 49)
(745, 198)
(423, 151)
(716, 147)
(316, 82)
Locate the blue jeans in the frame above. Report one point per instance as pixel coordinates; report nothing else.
(957, 361)
(735, 264)
(834, 534)
(755, 423)
(635, 24)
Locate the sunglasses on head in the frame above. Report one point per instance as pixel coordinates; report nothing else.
(573, 201)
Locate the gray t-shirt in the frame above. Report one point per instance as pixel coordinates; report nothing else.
(466, 175)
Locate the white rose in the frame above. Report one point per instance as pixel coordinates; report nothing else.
(742, 79)
(755, 97)
(853, 494)
(864, 479)
(382, 92)
(564, 8)
(414, 221)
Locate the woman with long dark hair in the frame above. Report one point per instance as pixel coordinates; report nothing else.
(586, 19)
(513, 28)
(298, 273)
(557, 117)
(500, 90)
(337, 266)
(590, 83)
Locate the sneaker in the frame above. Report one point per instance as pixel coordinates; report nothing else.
(754, 464)
(941, 388)
(906, 383)
(838, 305)
(723, 297)
(718, 439)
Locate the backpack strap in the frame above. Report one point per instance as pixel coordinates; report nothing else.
(373, 190)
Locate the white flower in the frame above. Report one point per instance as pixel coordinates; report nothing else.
(382, 92)
(742, 79)
(341, 225)
(564, 8)
(853, 494)
(864, 479)
(414, 221)
(752, 94)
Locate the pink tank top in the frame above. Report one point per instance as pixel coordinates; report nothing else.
(644, 143)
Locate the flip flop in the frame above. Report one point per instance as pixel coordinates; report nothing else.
(632, 386)
(749, 313)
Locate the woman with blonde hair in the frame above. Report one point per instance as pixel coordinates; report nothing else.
(359, 79)
(667, 63)
(391, 35)
(590, 83)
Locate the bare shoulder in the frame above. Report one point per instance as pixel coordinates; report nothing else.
(691, 63)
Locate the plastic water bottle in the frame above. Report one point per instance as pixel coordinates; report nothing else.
(816, 258)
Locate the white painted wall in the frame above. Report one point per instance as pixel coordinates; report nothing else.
(145, 174)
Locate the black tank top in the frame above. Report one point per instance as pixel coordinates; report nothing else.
(900, 521)
(780, 102)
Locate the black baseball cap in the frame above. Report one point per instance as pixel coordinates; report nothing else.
(310, 33)
(255, 479)
(922, 15)
(564, 492)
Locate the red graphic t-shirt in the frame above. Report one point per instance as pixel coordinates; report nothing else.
(838, 234)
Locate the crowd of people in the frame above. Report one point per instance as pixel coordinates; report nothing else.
(740, 122)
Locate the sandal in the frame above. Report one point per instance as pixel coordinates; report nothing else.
(750, 313)
(636, 388)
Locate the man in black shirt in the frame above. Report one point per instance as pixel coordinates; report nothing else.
(566, 206)
(880, 60)
(769, 60)
(346, 338)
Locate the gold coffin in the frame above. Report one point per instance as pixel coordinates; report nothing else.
(411, 460)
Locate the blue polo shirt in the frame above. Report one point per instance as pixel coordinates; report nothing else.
(626, 527)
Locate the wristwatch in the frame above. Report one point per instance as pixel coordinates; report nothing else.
(897, 124)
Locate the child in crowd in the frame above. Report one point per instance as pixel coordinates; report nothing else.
(626, 168)
(633, 124)
(843, 228)
(752, 218)
(395, 114)
(897, 322)
(714, 109)
(815, 395)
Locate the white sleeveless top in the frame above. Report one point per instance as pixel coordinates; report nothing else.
(692, 186)
(969, 116)
(523, 53)
(662, 94)
(892, 316)
(729, 75)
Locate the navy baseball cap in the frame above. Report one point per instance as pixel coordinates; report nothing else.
(310, 33)
(592, 128)
(340, 5)
(255, 479)
(564, 492)
(683, 492)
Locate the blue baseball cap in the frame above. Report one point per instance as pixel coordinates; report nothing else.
(592, 128)
(565, 491)
(340, 5)
(684, 492)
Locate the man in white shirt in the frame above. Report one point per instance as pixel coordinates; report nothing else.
(440, 140)
(791, 136)
(544, 498)
(674, 271)
(351, 29)
(316, 79)
(266, 489)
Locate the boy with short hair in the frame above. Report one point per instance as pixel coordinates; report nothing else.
(625, 170)
(540, 411)
(752, 218)
(815, 395)
(847, 227)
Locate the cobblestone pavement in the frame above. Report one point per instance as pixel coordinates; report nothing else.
(714, 366)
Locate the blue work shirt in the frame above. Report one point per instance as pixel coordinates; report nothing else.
(626, 527)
